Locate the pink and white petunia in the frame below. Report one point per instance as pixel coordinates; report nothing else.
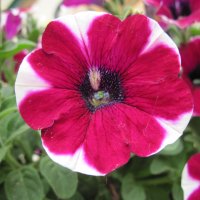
(182, 13)
(190, 56)
(12, 22)
(101, 89)
(191, 178)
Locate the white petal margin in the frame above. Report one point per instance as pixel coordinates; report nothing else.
(75, 162)
(173, 129)
(28, 81)
(80, 23)
(157, 37)
(188, 184)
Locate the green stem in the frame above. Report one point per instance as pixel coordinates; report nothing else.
(7, 112)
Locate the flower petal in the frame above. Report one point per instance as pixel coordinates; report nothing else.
(116, 130)
(72, 37)
(41, 109)
(39, 73)
(154, 65)
(13, 23)
(114, 44)
(172, 105)
(194, 4)
(28, 81)
(63, 141)
(184, 22)
(196, 97)
(107, 143)
(190, 55)
(191, 178)
(194, 165)
(55, 71)
(195, 195)
(188, 184)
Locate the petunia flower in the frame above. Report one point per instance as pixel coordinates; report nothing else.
(101, 89)
(182, 13)
(190, 55)
(18, 58)
(191, 178)
(12, 22)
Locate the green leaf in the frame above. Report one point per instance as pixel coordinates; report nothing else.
(10, 48)
(24, 128)
(24, 184)
(159, 166)
(173, 149)
(8, 102)
(63, 181)
(7, 112)
(77, 196)
(132, 190)
(3, 152)
(88, 186)
(158, 192)
(177, 192)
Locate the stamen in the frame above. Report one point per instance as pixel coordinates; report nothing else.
(100, 98)
(95, 78)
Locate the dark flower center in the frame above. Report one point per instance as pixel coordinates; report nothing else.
(100, 88)
(195, 76)
(180, 8)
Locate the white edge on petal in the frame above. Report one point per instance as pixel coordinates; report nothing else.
(75, 162)
(80, 23)
(174, 128)
(28, 81)
(157, 37)
(188, 184)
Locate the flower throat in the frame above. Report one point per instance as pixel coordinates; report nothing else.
(100, 88)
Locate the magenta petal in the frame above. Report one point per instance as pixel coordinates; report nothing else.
(194, 166)
(195, 5)
(42, 108)
(59, 73)
(195, 195)
(196, 97)
(184, 22)
(116, 44)
(102, 36)
(12, 25)
(68, 46)
(145, 131)
(190, 181)
(117, 130)
(158, 98)
(108, 140)
(154, 65)
(190, 55)
(68, 133)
